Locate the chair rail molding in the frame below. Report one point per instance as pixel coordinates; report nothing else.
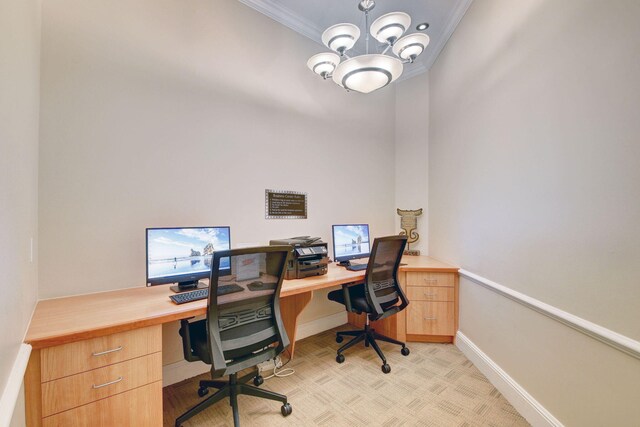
(14, 384)
(607, 336)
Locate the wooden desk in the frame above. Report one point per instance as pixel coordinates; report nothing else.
(61, 329)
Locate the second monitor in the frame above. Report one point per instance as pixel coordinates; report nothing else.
(350, 241)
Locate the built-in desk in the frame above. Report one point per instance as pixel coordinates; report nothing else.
(97, 358)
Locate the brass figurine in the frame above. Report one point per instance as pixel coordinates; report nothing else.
(409, 225)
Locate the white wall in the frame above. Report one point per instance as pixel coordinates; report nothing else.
(411, 144)
(19, 106)
(534, 166)
(165, 113)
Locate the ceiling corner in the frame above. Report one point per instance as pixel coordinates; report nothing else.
(286, 17)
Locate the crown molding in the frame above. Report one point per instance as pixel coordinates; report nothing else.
(412, 70)
(288, 18)
(452, 22)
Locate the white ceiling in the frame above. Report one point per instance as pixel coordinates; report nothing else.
(311, 17)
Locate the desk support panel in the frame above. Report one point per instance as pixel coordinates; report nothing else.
(290, 309)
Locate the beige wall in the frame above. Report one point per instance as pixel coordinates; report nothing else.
(165, 113)
(534, 166)
(19, 107)
(411, 144)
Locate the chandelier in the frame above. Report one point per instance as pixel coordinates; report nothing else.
(370, 71)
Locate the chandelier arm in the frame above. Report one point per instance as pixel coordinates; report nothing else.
(386, 48)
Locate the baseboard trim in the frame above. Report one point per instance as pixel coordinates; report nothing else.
(182, 370)
(595, 331)
(525, 404)
(14, 384)
(320, 325)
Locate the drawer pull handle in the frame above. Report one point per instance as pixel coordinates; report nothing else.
(430, 318)
(106, 384)
(102, 353)
(431, 280)
(430, 294)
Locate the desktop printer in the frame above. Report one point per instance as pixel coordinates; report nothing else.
(308, 258)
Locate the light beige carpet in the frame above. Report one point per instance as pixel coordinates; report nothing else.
(434, 386)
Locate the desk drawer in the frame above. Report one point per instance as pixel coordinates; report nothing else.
(82, 356)
(76, 390)
(430, 293)
(430, 318)
(430, 279)
(140, 407)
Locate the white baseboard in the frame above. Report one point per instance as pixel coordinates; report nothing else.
(524, 403)
(182, 370)
(320, 325)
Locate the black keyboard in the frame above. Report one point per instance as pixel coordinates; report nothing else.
(357, 267)
(204, 293)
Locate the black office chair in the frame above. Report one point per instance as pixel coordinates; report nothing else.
(380, 296)
(242, 329)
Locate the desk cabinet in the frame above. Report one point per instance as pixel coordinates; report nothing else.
(432, 314)
(104, 381)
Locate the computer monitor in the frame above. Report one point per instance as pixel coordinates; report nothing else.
(350, 241)
(183, 255)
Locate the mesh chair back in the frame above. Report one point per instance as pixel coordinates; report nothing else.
(245, 323)
(382, 288)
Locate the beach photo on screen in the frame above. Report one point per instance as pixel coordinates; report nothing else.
(176, 251)
(351, 240)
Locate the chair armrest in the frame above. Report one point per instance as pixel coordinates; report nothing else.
(403, 298)
(347, 296)
(185, 333)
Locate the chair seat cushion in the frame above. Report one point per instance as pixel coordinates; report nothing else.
(358, 299)
(356, 294)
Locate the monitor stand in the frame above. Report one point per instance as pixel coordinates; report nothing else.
(344, 263)
(191, 285)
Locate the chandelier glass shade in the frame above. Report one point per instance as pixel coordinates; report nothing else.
(323, 64)
(409, 47)
(370, 71)
(366, 73)
(341, 37)
(390, 27)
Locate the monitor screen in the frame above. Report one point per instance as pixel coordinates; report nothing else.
(350, 241)
(184, 254)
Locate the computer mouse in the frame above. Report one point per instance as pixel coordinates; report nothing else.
(259, 286)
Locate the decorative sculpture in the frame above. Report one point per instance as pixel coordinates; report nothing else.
(409, 225)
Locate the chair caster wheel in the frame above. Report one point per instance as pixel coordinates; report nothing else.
(203, 391)
(386, 368)
(286, 409)
(405, 351)
(340, 358)
(339, 339)
(258, 380)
